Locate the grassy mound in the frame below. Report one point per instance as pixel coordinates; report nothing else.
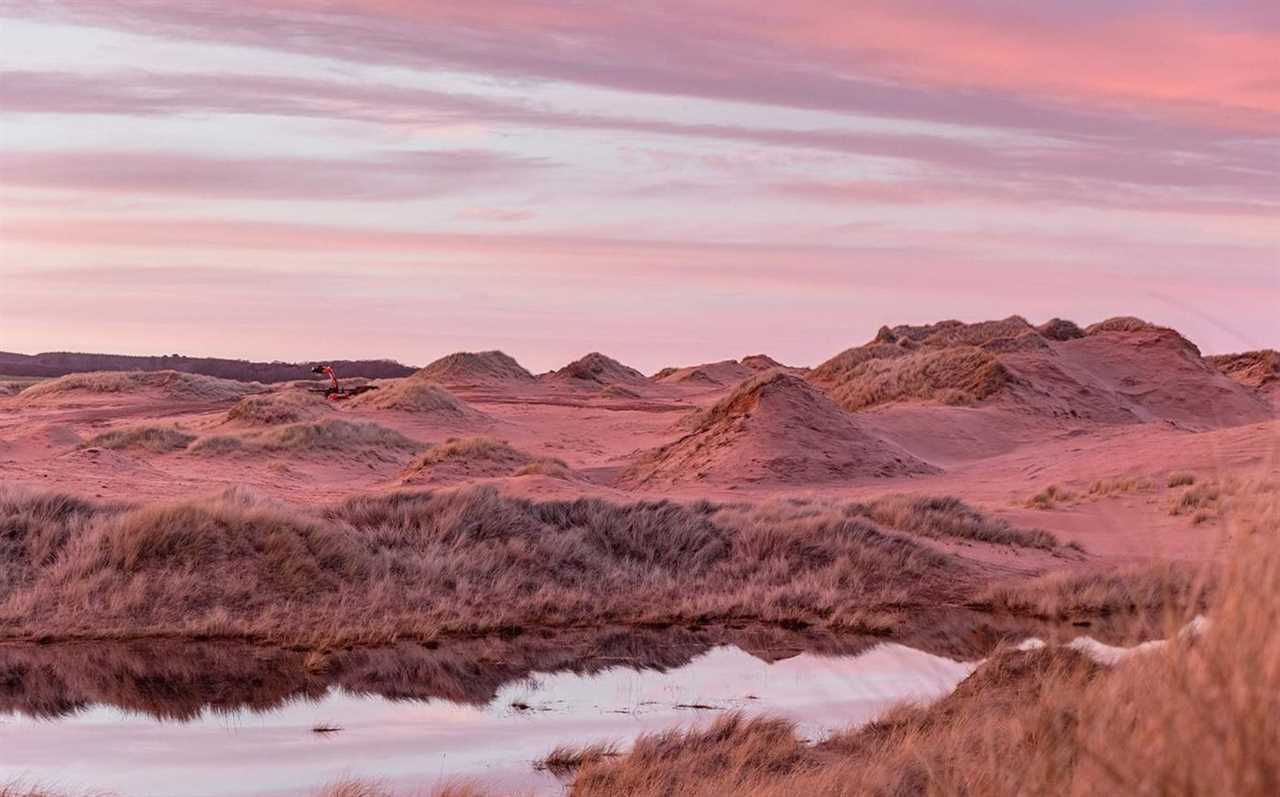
(157, 439)
(958, 375)
(479, 457)
(1197, 716)
(273, 409)
(417, 396)
(474, 368)
(327, 435)
(598, 369)
(1257, 369)
(421, 564)
(169, 384)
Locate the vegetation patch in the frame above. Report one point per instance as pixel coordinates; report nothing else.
(157, 439)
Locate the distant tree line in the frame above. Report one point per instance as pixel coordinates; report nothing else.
(61, 363)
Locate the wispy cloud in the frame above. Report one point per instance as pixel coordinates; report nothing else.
(391, 176)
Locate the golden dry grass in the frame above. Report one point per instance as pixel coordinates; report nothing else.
(1050, 497)
(566, 759)
(172, 384)
(954, 375)
(1157, 587)
(1199, 716)
(327, 435)
(157, 439)
(466, 561)
(273, 409)
(418, 396)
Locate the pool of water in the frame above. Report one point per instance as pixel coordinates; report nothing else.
(239, 721)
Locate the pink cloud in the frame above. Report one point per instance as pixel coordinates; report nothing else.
(392, 176)
(1248, 168)
(1046, 66)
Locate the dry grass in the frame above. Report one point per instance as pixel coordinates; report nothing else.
(1256, 369)
(1181, 479)
(1199, 500)
(327, 435)
(418, 396)
(951, 517)
(473, 368)
(1200, 716)
(157, 439)
(565, 759)
(1050, 497)
(469, 448)
(550, 467)
(1119, 485)
(171, 384)
(273, 409)
(479, 457)
(1158, 587)
(955, 375)
(417, 565)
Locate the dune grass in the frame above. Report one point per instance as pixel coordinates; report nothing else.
(958, 374)
(171, 384)
(319, 436)
(274, 409)
(1200, 716)
(466, 561)
(156, 439)
(1158, 587)
(470, 448)
(1050, 497)
(944, 517)
(564, 760)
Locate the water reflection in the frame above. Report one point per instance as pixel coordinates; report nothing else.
(151, 718)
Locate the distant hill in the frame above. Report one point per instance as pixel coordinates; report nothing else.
(469, 368)
(1121, 370)
(61, 363)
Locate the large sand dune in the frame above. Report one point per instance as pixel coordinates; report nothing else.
(475, 368)
(775, 428)
(598, 370)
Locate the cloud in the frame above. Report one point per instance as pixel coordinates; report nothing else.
(390, 176)
(1056, 66)
(1249, 167)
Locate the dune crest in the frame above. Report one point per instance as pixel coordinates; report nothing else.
(596, 368)
(174, 385)
(474, 368)
(775, 428)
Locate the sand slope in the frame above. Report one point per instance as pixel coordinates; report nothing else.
(475, 368)
(598, 370)
(168, 385)
(774, 428)
(1123, 370)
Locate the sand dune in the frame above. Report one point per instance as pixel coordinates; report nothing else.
(597, 369)
(474, 368)
(725, 373)
(1259, 370)
(1122, 370)
(301, 439)
(278, 407)
(461, 459)
(775, 428)
(415, 395)
(171, 385)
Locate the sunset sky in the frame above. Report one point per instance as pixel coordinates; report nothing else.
(666, 182)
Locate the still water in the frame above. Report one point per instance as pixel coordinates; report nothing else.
(238, 722)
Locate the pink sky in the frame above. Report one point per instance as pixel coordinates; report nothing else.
(667, 182)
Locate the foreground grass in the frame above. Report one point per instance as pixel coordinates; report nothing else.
(1201, 716)
(417, 565)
